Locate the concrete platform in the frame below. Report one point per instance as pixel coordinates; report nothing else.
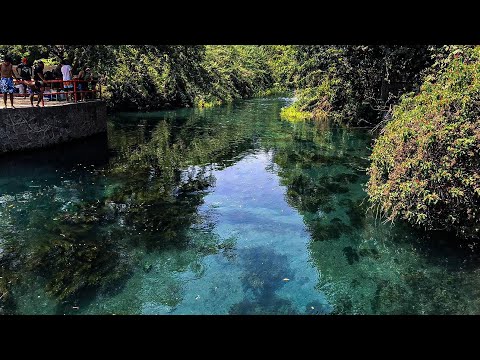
(20, 102)
(28, 127)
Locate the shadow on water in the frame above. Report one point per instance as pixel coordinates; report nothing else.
(90, 150)
(264, 276)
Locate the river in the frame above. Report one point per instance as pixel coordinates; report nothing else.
(229, 210)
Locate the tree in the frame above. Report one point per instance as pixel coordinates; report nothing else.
(356, 84)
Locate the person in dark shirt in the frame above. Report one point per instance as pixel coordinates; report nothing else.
(25, 72)
(57, 73)
(38, 83)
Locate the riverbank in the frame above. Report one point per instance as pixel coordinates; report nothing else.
(27, 128)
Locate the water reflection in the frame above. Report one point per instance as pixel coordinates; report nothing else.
(229, 211)
(367, 266)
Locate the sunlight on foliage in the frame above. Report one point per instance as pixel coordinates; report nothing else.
(426, 163)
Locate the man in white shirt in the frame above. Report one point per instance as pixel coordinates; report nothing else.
(67, 75)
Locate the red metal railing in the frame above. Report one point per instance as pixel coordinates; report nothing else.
(67, 91)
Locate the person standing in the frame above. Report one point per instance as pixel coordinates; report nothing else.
(58, 70)
(87, 76)
(25, 72)
(82, 84)
(39, 84)
(67, 75)
(92, 79)
(6, 80)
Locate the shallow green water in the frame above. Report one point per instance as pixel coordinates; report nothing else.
(219, 211)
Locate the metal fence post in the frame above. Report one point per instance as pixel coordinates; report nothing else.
(75, 89)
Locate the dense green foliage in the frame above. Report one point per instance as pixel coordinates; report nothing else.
(426, 163)
(155, 77)
(356, 84)
(148, 77)
(282, 64)
(353, 84)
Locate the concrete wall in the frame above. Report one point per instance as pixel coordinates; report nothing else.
(30, 128)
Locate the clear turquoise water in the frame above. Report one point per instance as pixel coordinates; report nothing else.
(228, 210)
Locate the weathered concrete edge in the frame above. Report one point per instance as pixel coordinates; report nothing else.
(32, 128)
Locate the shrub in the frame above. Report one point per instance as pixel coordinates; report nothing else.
(425, 165)
(290, 113)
